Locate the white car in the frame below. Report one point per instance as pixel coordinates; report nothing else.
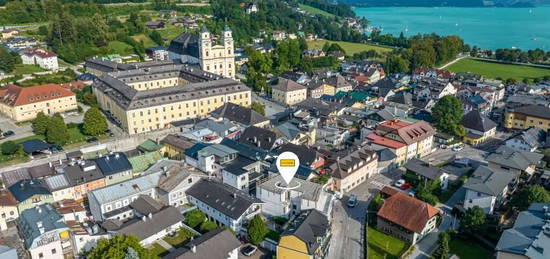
(458, 148)
(399, 183)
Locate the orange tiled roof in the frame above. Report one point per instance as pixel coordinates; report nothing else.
(14, 95)
(406, 211)
(395, 124)
(386, 142)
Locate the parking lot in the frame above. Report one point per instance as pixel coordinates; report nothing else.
(21, 131)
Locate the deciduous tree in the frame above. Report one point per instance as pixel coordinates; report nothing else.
(447, 115)
(95, 123)
(56, 131)
(257, 230)
(40, 123)
(194, 218)
(529, 195)
(119, 247)
(473, 220)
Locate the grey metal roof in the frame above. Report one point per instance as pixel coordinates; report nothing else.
(424, 169)
(217, 150)
(144, 204)
(489, 181)
(308, 226)
(512, 158)
(533, 136)
(57, 182)
(146, 226)
(528, 236)
(82, 173)
(222, 197)
(309, 190)
(288, 130)
(126, 188)
(29, 222)
(240, 114)
(200, 84)
(113, 163)
(215, 244)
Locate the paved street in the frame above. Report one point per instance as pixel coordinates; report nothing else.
(21, 131)
(443, 155)
(348, 223)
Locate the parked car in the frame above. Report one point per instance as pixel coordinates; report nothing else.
(399, 183)
(443, 146)
(249, 250)
(9, 133)
(352, 201)
(405, 186)
(458, 148)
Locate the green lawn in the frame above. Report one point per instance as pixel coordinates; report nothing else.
(466, 249)
(121, 48)
(21, 69)
(494, 70)
(314, 10)
(349, 47)
(183, 236)
(147, 42)
(158, 250)
(170, 32)
(381, 245)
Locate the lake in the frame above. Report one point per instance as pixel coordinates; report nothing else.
(488, 28)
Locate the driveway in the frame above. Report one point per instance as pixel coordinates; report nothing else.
(348, 223)
(21, 131)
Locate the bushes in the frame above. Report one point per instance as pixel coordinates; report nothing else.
(194, 218)
(207, 226)
(9, 147)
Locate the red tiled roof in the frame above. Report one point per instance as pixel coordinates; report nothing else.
(74, 85)
(14, 95)
(409, 132)
(41, 53)
(386, 142)
(406, 211)
(395, 124)
(7, 199)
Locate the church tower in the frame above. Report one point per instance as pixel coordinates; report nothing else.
(217, 59)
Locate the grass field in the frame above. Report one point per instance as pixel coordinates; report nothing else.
(158, 250)
(494, 70)
(381, 245)
(314, 10)
(147, 42)
(121, 48)
(21, 69)
(466, 249)
(349, 47)
(170, 32)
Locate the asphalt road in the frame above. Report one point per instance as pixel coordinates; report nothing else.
(348, 223)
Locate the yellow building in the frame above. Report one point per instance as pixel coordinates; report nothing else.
(23, 103)
(146, 99)
(308, 238)
(478, 127)
(527, 116)
(289, 92)
(217, 59)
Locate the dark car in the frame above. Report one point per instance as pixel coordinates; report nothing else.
(248, 250)
(352, 201)
(9, 133)
(91, 140)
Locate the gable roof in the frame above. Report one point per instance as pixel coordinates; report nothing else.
(424, 169)
(533, 136)
(477, 121)
(25, 189)
(489, 181)
(535, 111)
(148, 226)
(408, 132)
(308, 226)
(258, 137)
(406, 211)
(513, 158)
(240, 114)
(222, 197)
(215, 244)
(345, 165)
(7, 199)
(287, 85)
(113, 163)
(527, 237)
(13, 95)
(306, 154)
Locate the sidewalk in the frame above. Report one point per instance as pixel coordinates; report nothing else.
(165, 245)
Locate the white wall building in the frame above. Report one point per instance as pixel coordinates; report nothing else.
(217, 59)
(40, 57)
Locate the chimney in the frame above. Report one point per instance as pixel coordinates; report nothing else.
(234, 195)
(150, 215)
(194, 249)
(117, 155)
(144, 218)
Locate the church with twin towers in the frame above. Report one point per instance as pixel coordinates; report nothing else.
(213, 56)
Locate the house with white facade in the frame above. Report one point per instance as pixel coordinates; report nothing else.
(41, 58)
(488, 188)
(44, 233)
(528, 140)
(286, 203)
(224, 204)
(209, 158)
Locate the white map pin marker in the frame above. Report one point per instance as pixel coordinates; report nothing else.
(288, 163)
